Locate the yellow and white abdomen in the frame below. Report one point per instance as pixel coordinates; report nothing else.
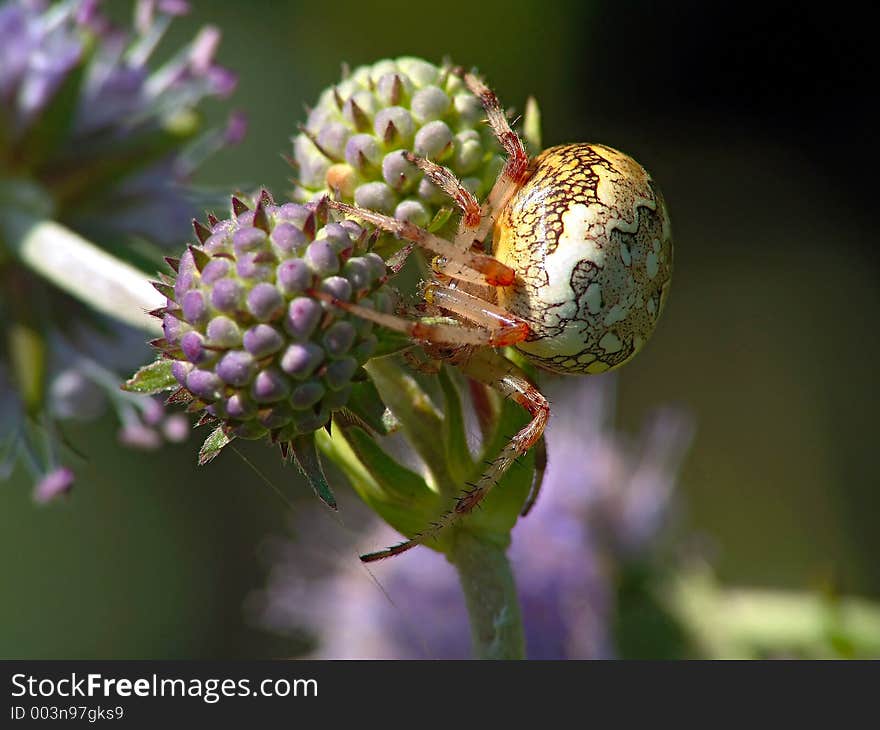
(589, 238)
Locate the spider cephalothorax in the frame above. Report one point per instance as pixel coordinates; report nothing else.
(575, 276)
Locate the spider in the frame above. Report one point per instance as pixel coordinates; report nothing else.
(574, 277)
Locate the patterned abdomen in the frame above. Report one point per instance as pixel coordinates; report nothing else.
(589, 238)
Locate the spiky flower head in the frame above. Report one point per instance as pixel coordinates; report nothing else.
(252, 337)
(353, 141)
(97, 148)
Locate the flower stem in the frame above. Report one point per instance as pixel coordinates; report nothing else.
(490, 594)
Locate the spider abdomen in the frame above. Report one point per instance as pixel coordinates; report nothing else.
(589, 239)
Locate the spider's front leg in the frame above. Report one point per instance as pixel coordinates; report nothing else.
(500, 374)
(492, 271)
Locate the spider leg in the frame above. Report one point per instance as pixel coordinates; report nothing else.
(500, 335)
(508, 328)
(446, 180)
(490, 368)
(515, 171)
(493, 271)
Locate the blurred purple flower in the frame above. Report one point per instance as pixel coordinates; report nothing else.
(53, 485)
(602, 499)
(97, 136)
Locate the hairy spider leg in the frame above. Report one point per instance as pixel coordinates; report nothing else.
(494, 272)
(514, 173)
(499, 334)
(488, 367)
(508, 328)
(446, 180)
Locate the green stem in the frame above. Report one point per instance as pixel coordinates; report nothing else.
(490, 594)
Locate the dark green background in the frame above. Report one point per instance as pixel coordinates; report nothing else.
(756, 124)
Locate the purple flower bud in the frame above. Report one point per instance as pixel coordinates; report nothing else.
(262, 340)
(377, 265)
(180, 370)
(392, 88)
(332, 138)
(307, 395)
(215, 270)
(191, 344)
(294, 276)
(54, 484)
(321, 257)
(223, 332)
(357, 271)
(399, 118)
(434, 141)
(204, 384)
(338, 287)
(193, 306)
(303, 315)
(288, 237)
(362, 150)
(246, 240)
(247, 266)
(265, 302)
(294, 213)
(339, 338)
(399, 173)
(414, 212)
(428, 104)
(300, 360)
(340, 372)
(269, 386)
(226, 295)
(236, 368)
(376, 196)
(240, 406)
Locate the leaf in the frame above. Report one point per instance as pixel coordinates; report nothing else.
(213, 445)
(458, 455)
(151, 379)
(305, 454)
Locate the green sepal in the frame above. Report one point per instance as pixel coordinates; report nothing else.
(366, 405)
(418, 416)
(151, 379)
(305, 454)
(400, 496)
(440, 219)
(458, 455)
(213, 445)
